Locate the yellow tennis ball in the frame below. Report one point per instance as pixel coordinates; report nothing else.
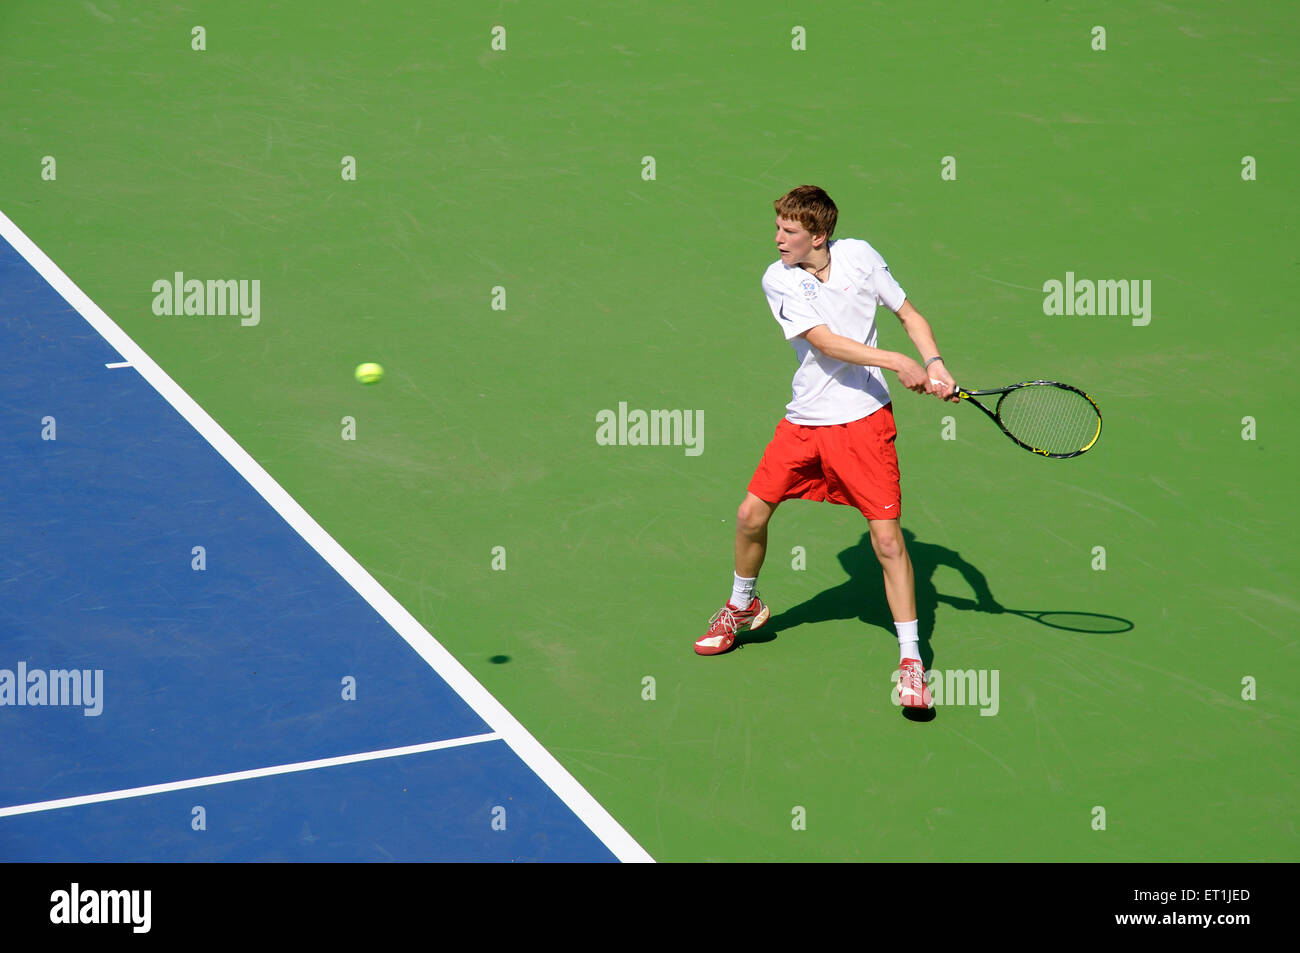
(369, 373)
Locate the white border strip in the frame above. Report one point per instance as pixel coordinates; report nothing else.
(541, 761)
(38, 806)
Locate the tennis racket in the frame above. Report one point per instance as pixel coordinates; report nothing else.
(1045, 417)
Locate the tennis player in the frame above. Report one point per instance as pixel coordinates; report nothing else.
(836, 441)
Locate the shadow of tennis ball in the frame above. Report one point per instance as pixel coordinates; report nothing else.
(499, 659)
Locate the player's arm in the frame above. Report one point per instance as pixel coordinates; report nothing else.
(910, 374)
(918, 329)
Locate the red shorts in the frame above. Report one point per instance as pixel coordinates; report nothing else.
(853, 464)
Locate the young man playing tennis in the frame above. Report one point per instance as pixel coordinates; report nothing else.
(836, 441)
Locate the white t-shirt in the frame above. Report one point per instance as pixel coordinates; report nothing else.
(826, 391)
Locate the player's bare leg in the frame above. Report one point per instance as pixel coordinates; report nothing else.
(751, 534)
(900, 591)
(744, 610)
(900, 583)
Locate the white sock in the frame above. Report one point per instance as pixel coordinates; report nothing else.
(742, 591)
(909, 643)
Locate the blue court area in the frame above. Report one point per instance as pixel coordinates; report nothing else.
(436, 806)
(244, 664)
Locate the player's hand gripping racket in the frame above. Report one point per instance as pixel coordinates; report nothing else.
(1045, 417)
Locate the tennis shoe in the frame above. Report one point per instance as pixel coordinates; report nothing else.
(728, 622)
(912, 690)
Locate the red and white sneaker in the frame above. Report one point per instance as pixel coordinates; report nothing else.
(912, 690)
(728, 622)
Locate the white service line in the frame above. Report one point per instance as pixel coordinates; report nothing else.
(119, 364)
(149, 789)
(543, 763)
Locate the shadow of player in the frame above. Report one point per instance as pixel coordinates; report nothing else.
(862, 597)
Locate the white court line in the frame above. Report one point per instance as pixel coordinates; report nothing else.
(149, 789)
(119, 364)
(542, 762)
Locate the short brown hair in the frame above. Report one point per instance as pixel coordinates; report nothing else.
(811, 207)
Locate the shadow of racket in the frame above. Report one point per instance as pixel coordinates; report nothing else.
(1093, 622)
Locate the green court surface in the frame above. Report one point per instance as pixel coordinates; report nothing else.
(506, 254)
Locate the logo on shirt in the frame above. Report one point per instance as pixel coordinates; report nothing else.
(809, 286)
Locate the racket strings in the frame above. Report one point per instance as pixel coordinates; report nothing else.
(1050, 419)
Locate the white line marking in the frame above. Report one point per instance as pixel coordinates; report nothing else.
(119, 364)
(566, 787)
(1008, 284)
(147, 790)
